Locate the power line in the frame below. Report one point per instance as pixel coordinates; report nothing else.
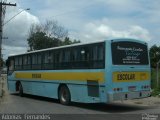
(15, 16)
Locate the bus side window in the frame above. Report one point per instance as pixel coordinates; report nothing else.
(66, 59)
(29, 61)
(95, 53)
(98, 56)
(56, 59)
(16, 63)
(25, 62)
(34, 61)
(11, 66)
(74, 57)
(39, 61)
(20, 62)
(60, 59)
(48, 60)
(85, 53)
(100, 53)
(84, 56)
(66, 55)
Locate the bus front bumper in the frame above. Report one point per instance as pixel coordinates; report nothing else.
(128, 95)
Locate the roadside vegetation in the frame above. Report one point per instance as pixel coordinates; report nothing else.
(154, 59)
(154, 84)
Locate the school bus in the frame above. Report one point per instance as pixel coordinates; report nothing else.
(97, 72)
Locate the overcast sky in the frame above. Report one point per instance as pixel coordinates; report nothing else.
(86, 20)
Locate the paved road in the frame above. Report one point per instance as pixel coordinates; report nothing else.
(33, 104)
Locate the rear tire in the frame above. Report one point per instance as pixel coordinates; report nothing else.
(64, 95)
(20, 90)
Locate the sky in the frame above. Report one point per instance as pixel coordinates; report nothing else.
(86, 20)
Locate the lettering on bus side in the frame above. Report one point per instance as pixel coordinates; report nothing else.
(126, 77)
(36, 75)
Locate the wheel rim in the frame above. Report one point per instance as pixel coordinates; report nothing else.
(20, 88)
(64, 96)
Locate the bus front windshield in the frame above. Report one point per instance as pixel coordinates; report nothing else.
(129, 53)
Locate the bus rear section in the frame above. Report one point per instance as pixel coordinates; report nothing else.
(130, 70)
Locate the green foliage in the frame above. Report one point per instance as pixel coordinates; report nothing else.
(2, 63)
(48, 35)
(154, 55)
(154, 86)
(68, 41)
(154, 58)
(40, 40)
(153, 78)
(156, 92)
(76, 41)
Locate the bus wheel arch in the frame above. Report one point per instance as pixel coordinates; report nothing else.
(64, 94)
(19, 88)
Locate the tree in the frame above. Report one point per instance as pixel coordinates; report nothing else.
(76, 41)
(46, 35)
(154, 55)
(68, 41)
(40, 40)
(53, 29)
(2, 63)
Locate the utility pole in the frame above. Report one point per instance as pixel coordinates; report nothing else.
(2, 14)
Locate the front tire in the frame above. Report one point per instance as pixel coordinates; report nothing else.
(64, 95)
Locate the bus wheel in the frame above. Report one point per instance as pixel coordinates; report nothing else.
(64, 95)
(20, 90)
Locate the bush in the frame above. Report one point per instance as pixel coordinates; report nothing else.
(156, 92)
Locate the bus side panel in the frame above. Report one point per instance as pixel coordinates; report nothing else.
(12, 86)
(49, 88)
(46, 89)
(79, 93)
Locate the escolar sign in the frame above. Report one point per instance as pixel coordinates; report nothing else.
(125, 76)
(130, 76)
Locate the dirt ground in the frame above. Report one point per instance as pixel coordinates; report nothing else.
(150, 101)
